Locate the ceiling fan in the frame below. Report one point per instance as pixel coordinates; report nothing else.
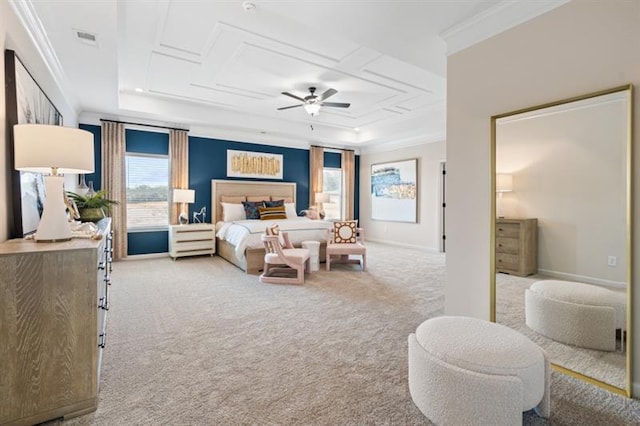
(313, 102)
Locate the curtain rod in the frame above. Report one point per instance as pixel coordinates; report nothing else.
(333, 147)
(142, 124)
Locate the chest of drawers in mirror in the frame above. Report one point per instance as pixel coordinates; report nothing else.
(517, 246)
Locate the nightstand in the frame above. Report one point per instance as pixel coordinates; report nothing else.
(192, 239)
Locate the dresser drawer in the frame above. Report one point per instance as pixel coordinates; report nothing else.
(507, 261)
(511, 230)
(507, 245)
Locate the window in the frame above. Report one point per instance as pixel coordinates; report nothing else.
(332, 185)
(147, 177)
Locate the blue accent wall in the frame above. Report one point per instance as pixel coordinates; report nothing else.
(207, 161)
(96, 176)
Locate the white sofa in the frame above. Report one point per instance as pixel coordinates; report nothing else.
(575, 313)
(465, 371)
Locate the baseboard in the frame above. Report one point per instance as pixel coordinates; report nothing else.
(583, 279)
(395, 243)
(146, 256)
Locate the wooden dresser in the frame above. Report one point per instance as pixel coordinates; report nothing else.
(53, 303)
(517, 246)
(192, 239)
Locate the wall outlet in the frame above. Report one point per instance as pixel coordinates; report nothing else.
(612, 261)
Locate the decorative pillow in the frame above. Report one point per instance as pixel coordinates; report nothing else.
(272, 213)
(231, 212)
(259, 198)
(290, 210)
(233, 199)
(251, 209)
(274, 203)
(345, 232)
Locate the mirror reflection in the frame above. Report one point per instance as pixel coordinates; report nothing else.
(562, 231)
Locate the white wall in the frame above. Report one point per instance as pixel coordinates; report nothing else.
(578, 48)
(425, 234)
(569, 172)
(13, 36)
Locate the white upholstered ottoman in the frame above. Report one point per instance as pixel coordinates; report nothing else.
(579, 314)
(466, 371)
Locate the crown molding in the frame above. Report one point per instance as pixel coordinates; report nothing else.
(493, 21)
(403, 143)
(29, 19)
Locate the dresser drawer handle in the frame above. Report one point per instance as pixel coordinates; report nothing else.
(499, 245)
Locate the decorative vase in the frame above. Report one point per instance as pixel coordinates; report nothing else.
(92, 215)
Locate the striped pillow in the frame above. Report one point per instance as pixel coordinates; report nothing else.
(272, 213)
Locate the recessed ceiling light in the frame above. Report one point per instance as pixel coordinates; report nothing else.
(248, 6)
(139, 89)
(357, 129)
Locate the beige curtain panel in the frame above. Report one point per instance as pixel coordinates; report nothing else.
(316, 165)
(348, 183)
(113, 182)
(179, 160)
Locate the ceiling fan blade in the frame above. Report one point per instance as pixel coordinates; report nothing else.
(335, 104)
(325, 95)
(293, 96)
(292, 106)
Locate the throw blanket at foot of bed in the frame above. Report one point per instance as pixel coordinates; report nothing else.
(575, 313)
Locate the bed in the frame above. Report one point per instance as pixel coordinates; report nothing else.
(238, 241)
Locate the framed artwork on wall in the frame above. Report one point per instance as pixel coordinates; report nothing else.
(26, 103)
(247, 164)
(394, 191)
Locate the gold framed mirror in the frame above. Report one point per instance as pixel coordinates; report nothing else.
(561, 232)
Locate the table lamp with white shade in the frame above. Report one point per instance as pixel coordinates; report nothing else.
(55, 150)
(504, 183)
(184, 196)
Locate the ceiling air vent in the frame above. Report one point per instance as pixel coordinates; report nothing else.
(86, 37)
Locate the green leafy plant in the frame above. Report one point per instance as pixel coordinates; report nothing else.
(96, 200)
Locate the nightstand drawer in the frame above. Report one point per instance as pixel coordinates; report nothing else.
(507, 245)
(194, 235)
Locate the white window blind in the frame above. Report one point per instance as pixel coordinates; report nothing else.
(147, 191)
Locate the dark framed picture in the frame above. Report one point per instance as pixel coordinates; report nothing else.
(26, 103)
(394, 191)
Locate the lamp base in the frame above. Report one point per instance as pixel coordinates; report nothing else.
(54, 226)
(183, 219)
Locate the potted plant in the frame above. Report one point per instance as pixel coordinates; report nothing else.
(92, 206)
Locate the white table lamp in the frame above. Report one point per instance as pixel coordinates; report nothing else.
(56, 150)
(504, 183)
(184, 196)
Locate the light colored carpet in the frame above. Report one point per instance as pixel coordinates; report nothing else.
(197, 342)
(609, 367)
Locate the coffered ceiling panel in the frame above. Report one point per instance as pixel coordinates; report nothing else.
(220, 67)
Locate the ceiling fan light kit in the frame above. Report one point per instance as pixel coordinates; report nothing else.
(312, 103)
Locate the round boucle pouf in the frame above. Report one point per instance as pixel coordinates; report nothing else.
(579, 314)
(486, 365)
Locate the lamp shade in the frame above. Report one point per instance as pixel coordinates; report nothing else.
(321, 197)
(504, 183)
(184, 195)
(41, 148)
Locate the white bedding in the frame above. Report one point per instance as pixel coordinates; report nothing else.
(247, 233)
